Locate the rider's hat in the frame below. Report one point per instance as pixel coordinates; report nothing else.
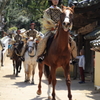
(18, 31)
(50, 2)
(32, 24)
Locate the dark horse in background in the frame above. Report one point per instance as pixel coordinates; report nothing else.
(59, 53)
(16, 58)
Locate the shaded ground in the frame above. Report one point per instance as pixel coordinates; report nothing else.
(14, 88)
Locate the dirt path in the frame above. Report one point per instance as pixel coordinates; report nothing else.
(14, 88)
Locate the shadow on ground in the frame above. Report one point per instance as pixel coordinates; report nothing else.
(23, 84)
(10, 76)
(39, 98)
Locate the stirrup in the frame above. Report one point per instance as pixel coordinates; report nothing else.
(40, 59)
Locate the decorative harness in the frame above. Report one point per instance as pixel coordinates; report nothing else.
(31, 55)
(33, 49)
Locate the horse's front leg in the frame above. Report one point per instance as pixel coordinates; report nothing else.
(13, 67)
(33, 72)
(53, 75)
(68, 81)
(27, 73)
(49, 87)
(47, 73)
(20, 62)
(17, 65)
(2, 58)
(40, 67)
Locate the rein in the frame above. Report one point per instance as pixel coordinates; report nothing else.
(16, 52)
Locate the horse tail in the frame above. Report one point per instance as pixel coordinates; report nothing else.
(46, 71)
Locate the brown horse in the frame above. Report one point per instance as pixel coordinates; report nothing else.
(59, 52)
(16, 58)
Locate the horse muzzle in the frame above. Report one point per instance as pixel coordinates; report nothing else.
(66, 26)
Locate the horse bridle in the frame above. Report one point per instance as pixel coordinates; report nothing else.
(18, 54)
(28, 51)
(71, 24)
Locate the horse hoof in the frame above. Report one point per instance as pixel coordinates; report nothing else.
(53, 99)
(16, 75)
(49, 98)
(39, 92)
(26, 80)
(18, 71)
(32, 83)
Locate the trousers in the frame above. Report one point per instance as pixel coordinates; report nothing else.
(42, 44)
(82, 74)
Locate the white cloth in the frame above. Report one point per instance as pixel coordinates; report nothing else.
(81, 62)
(55, 7)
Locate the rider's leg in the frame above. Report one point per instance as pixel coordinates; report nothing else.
(41, 48)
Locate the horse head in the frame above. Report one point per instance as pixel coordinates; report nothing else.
(31, 45)
(66, 17)
(17, 48)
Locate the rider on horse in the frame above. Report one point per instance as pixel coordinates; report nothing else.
(17, 39)
(49, 22)
(30, 33)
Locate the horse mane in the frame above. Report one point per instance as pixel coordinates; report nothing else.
(57, 31)
(62, 15)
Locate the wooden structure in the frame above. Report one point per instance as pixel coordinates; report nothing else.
(86, 20)
(96, 47)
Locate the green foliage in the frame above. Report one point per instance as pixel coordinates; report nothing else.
(20, 13)
(12, 28)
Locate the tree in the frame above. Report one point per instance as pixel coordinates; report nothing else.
(21, 12)
(2, 6)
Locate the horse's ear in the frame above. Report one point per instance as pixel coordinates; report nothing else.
(73, 7)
